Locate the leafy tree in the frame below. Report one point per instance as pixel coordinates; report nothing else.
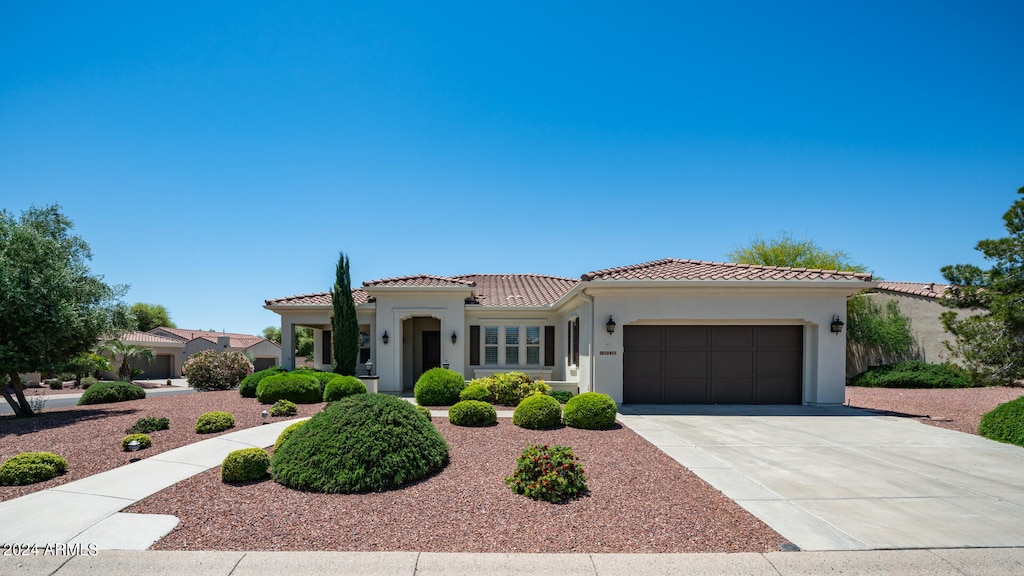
(303, 339)
(149, 316)
(784, 250)
(86, 363)
(883, 332)
(344, 324)
(991, 344)
(272, 333)
(53, 307)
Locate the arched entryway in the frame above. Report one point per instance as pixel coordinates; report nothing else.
(421, 347)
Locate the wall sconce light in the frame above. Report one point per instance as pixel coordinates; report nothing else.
(837, 324)
(454, 337)
(445, 364)
(610, 325)
(385, 338)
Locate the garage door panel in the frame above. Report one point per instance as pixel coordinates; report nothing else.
(686, 337)
(780, 337)
(686, 391)
(732, 336)
(778, 391)
(644, 336)
(642, 363)
(686, 364)
(779, 363)
(732, 390)
(732, 363)
(642, 391)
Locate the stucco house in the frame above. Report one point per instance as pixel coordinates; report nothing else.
(173, 346)
(668, 331)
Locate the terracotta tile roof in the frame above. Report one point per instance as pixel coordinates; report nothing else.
(147, 338)
(236, 341)
(518, 289)
(316, 299)
(673, 269)
(926, 289)
(186, 334)
(421, 281)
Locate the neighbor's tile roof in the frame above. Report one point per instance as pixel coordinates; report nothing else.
(926, 289)
(186, 334)
(147, 338)
(316, 299)
(420, 281)
(518, 289)
(673, 269)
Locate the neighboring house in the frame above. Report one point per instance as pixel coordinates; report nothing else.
(668, 331)
(264, 353)
(918, 301)
(167, 356)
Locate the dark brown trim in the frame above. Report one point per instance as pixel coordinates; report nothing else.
(474, 345)
(549, 345)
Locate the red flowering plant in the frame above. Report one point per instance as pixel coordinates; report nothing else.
(550, 474)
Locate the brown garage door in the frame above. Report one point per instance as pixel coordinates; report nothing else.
(712, 365)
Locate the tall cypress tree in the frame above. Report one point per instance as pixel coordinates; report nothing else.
(344, 324)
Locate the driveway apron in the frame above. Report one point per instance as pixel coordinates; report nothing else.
(837, 478)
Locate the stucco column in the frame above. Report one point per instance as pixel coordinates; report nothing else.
(287, 344)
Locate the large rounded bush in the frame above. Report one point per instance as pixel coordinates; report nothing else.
(342, 386)
(591, 410)
(245, 465)
(538, 411)
(363, 443)
(1005, 423)
(913, 374)
(322, 378)
(475, 392)
(31, 467)
(286, 433)
(438, 387)
(105, 392)
(216, 370)
(472, 413)
(213, 422)
(247, 388)
(299, 388)
(509, 388)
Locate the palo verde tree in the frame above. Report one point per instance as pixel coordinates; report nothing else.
(344, 324)
(149, 316)
(784, 250)
(990, 344)
(53, 307)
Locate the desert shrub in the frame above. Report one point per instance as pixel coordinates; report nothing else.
(562, 396)
(913, 374)
(550, 474)
(148, 424)
(339, 387)
(216, 370)
(362, 443)
(55, 384)
(144, 441)
(245, 465)
(31, 467)
(105, 392)
(591, 410)
(247, 387)
(286, 433)
(88, 381)
(425, 411)
(510, 388)
(538, 411)
(284, 408)
(475, 392)
(438, 387)
(472, 413)
(213, 422)
(1005, 423)
(299, 388)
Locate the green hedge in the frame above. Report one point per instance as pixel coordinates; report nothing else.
(591, 411)
(477, 392)
(438, 387)
(286, 433)
(537, 412)
(143, 439)
(299, 388)
(342, 386)
(363, 443)
(1005, 423)
(148, 424)
(562, 396)
(106, 392)
(247, 388)
(213, 422)
(472, 413)
(31, 467)
(245, 465)
(913, 374)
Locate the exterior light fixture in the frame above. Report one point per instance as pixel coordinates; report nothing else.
(455, 338)
(133, 447)
(264, 415)
(610, 325)
(385, 338)
(369, 367)
(445, 364)
(837, 324)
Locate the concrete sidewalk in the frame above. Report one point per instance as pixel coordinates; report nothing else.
(951, 562)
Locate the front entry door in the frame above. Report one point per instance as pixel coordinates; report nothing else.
(431, 349)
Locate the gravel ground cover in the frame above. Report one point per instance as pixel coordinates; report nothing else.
(89, 437)
(69, 388)
(640, 500)
(956, 408)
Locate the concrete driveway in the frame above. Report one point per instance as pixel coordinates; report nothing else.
(847, 479)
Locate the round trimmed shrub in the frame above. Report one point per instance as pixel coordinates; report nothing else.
(913, 374)
(1005, 423)
(245, 465)
(509, 388)
(322, 378)
(213, 422)
(425, 411)
(148, 424)
(538, 411)
(88, 381)
(284, 408)
(105, 392)
(562, 396)
(144, 441)
(216, 370)
(31, 467)
(363, 443)
(342, 386)
(286, 433)
(438, 387)
(299, 388)
(477, 392)
(247, 388)
(472, 413)
(591, 411)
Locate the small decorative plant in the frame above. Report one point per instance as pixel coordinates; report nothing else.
(284, 408)
(547, 473)
(31, 467)
(245, 465)
(472, 413)
(148, 424)
(213, 422)
(144, 441)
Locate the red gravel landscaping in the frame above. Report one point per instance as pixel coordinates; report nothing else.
(955, 408)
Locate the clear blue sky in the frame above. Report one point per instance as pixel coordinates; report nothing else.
(215, 154)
